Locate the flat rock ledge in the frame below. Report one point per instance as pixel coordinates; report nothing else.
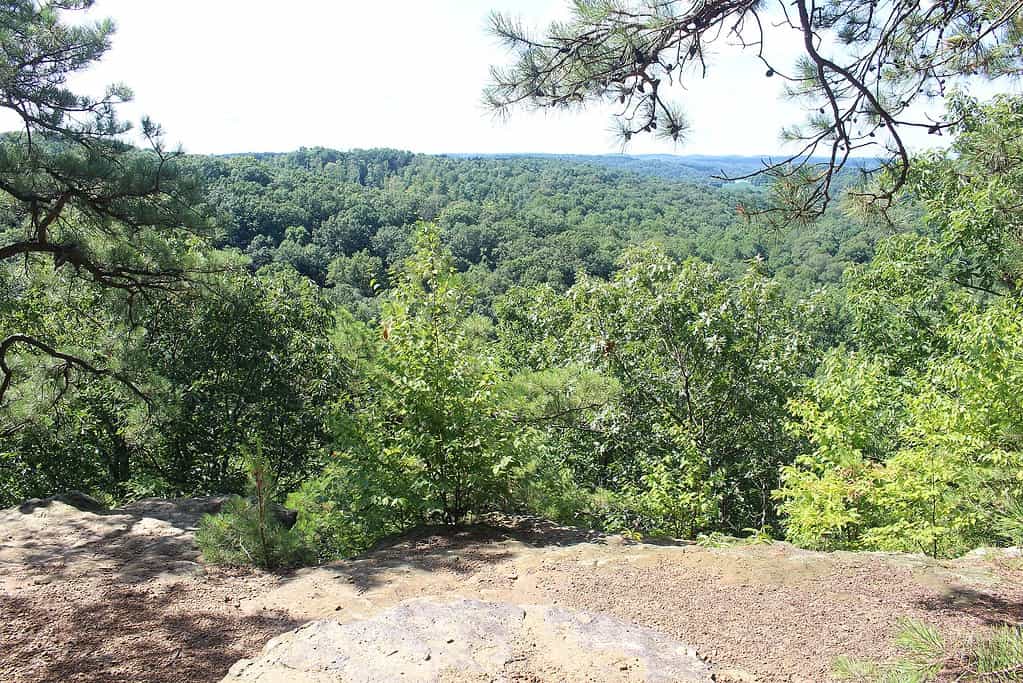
(469, 640)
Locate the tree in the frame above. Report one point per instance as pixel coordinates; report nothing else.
(698, 370)
(864, 65)
(922, 461)
(248, 530)
(427, 428)
(971, 198)
(60, 431)
(914, 435)
(73, 189)
(241, 359)
(247, 361)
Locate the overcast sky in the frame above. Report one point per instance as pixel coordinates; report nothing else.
(260, 75)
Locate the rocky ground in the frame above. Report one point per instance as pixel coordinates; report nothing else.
(122, 596)
(453, 641)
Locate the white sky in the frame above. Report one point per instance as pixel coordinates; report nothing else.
(261, 75)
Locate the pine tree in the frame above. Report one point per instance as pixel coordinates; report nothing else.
(863, 64)
(73, 189)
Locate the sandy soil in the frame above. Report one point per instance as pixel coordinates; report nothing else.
(121, 596)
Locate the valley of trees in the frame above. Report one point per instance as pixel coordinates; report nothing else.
(397, 339)
(344, 219)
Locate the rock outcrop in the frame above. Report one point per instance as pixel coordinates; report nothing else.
(469, 640)
(76, 499)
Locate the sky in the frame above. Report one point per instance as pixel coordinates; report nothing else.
(226, 76)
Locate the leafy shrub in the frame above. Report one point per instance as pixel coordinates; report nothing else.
(912, 460)
(548, 487)
(425, 425)
(677, 392)
(422, 435)
(349, 506)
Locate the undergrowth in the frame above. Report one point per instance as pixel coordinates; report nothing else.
(247, 531)
(926, 656)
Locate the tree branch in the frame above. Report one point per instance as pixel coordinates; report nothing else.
(69, 361)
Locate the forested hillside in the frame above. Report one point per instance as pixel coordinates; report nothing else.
(380, 341)
(715, 170)
(385, 339)
(345, 219)
(399, 337)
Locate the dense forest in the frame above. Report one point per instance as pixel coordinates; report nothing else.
(406, 338)
(382, 339)
(346, 219)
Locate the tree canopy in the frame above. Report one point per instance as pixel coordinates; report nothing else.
(399, 339)
(75, 191)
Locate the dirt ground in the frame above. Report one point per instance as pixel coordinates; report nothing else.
(122, 596)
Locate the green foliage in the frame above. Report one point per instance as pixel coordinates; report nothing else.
(705, 366)
(851, 421)
(521, 220)
(716, 539)
(234, 358)
(687, 436)
(75, 195)
(251, 360)
(970, 196)
(247, 530)
(1000, 657)
(1009, 520)
(60, 429)
(916, 461)
(423, 436)
(546, 485)
(433, 411)
(997, 656)
(915, 434)
(603, 348)
(349, 506)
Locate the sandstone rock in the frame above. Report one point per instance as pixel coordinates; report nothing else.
(734, 676)
(469, 640)
(76, 499)
(285, 516)
(187, 512)
(1009, 553)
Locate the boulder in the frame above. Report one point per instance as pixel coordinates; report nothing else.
(185, 512)
(286, 517)
(468, 640)
(76, 499)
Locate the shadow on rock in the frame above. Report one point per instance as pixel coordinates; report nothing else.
(126, 633)
(987, 607)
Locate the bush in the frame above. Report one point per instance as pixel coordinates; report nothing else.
(350, 506)
(921, 460)
(547, 487)
(424, 431)
(247, 531)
